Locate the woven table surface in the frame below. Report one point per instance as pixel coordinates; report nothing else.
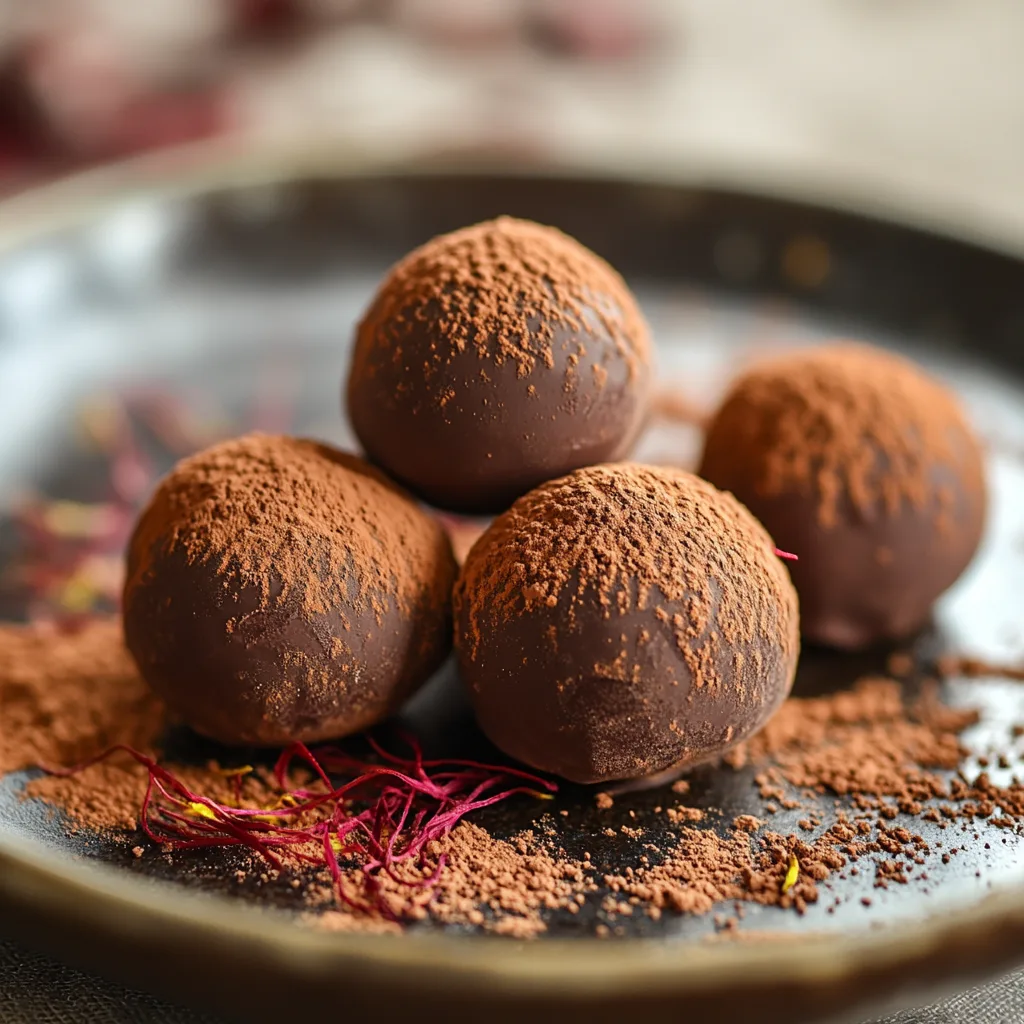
(37, 990)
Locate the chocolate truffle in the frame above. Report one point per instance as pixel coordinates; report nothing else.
(279, 590)
(624, 620)
(495, 358)
(863, 466)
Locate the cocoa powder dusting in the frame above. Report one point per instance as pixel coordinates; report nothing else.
(502, 288)
(275, 513)
(851, 423)
(65, 697)
(977, 668)
(504, 886)
(863, 743)
(616, 530)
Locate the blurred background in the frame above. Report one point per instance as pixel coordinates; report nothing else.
(911, 105)
(912, 109)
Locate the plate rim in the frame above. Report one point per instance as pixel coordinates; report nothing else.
(198, 167)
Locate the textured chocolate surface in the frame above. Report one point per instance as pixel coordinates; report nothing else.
(321, 638)
(863, 466)
(622, 621)
(495, 358)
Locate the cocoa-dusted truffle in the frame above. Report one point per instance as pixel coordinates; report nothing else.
(494, 358)
(279, 590)
(862, 465)
(623, 620)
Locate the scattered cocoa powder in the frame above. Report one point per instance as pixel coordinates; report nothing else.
(861, 742)
(976, 668)
(679, 814)
(704, 868)
(67, 697)
(502, 886)
(746, 823)
(519, 879)
(64, 697)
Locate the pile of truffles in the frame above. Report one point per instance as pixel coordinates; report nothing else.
(615, 620)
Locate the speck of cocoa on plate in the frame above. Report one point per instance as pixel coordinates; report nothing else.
(977, 668)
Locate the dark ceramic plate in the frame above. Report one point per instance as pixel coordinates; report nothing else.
(241, 296)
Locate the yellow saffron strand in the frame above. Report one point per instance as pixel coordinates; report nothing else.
(200, 811)
(792, 874)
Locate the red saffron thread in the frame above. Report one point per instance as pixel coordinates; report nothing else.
(787, 555)
(407, 804)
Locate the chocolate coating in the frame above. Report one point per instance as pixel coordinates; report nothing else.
(624, 620)
(278, 590)
(495, 358)
(863, 466)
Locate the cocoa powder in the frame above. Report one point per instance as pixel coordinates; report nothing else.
(276, 514)
(863, 743)
(502, 288)
(503, 886)
(977, 668)
(850, 424)
(65, 697)
(615, 530)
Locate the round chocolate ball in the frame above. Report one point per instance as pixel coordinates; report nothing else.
(863, 466)
(624, 620)
(280, 590)
(494, 358)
